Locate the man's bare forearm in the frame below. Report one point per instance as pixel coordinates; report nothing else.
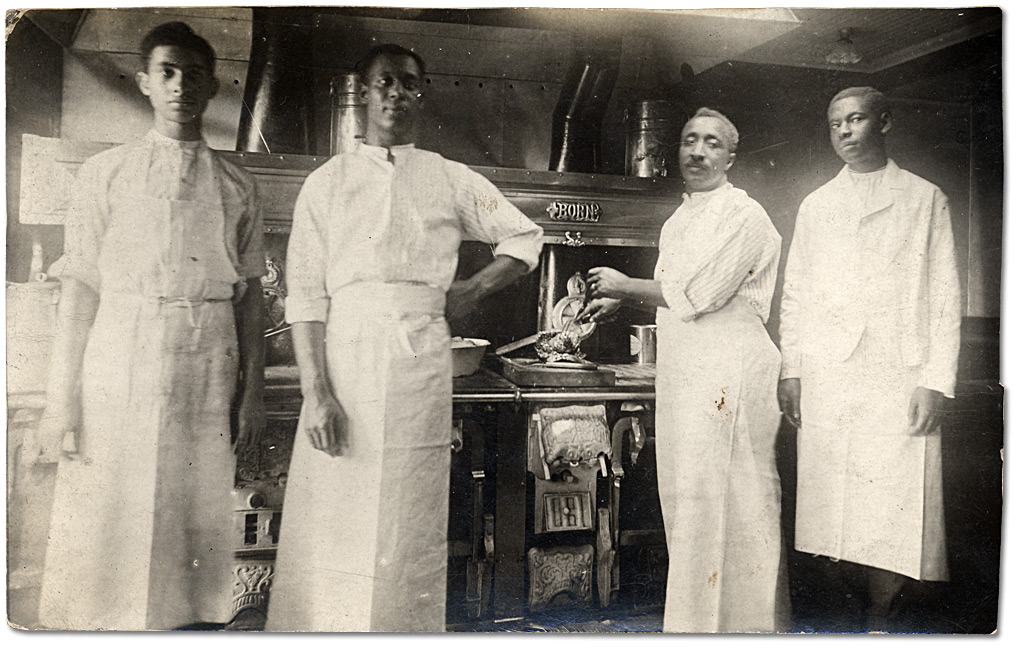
(310, 351)
(75, 316)
(498, 274)
(644, 294)
(248, 315)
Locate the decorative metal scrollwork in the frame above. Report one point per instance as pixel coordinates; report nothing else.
(251, 587)
(573, 239)
(275, 297)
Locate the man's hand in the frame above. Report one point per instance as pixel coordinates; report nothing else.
(600, 310)
(789, 399)
(605, 282)
(925, 412)
(56, 436)
(461, 298)
(325, 423)
(251, 422)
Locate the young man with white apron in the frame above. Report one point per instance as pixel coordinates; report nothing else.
(870, 333)
(160, 237)
(716, 415)
(371, 263)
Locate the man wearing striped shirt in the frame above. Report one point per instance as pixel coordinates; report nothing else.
(716, 409)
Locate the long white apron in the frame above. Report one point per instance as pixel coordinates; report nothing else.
(140, 535)
(716, 423)
(867, 490)
(363, 536)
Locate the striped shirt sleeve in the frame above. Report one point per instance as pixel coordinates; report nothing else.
(718, 257)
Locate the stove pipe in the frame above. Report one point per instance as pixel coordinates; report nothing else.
(584, 98)
(278, 111)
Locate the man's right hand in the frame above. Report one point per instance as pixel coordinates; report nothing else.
(600, 310)
(325, 423)
(789, 399)
(47, 443)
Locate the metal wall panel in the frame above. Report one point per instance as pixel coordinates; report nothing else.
(101, 101)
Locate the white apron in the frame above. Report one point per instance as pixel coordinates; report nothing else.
(867, 490)
(716, 422)
(363, 536)
(141, 530)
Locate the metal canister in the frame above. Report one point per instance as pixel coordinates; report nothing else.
(642, 343)
(653, 138)
(349, 113)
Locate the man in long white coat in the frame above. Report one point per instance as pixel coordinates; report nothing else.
(870, 335)
(371, 263)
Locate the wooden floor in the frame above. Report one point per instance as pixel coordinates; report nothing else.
(584, 622)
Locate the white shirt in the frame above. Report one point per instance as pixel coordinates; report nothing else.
(363, 218)
(716, 245)
(141, 182)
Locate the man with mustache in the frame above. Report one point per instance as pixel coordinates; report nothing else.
(371, 263)
(870, 335)
(716, 414)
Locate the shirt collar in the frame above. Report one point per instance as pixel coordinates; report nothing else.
(157, 138)
(701, 197)
(382, 153)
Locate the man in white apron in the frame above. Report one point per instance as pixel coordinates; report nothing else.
(870, 337)
(370, 267)
(716, 415)
(160, 237)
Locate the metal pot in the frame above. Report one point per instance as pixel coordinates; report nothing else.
(653, 138)
(642, 343)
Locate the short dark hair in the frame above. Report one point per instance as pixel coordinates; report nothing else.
(875, 99)
(729, 131)
(180, 35)
(387, 49)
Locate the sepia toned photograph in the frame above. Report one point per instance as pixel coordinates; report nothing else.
(569, 320)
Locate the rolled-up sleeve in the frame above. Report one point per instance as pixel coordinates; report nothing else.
(713, 264)
(307, 298)
(84, 229)
(488, 216)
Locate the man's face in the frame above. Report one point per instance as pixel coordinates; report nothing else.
(857, 133)
(392, 89)
(704, 154)
(178, 83)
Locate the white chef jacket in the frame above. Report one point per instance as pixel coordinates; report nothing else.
(889, 263)
(353, 224)
(871, 311)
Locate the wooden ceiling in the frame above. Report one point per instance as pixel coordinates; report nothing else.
(798, 37)
(882, 37)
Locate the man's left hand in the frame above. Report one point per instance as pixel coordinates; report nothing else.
(251, 422)
(461, 298)
(925, 412)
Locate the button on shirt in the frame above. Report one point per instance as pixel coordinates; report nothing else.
(394, 215)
